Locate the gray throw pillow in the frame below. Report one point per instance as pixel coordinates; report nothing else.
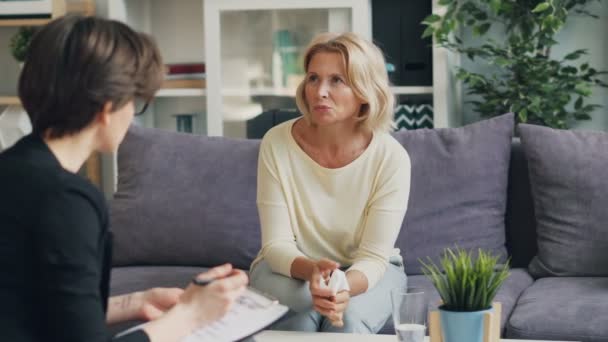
(184, 199)
(570, 190)
(458, 189)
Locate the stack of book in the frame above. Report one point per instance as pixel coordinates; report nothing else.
(185, 75)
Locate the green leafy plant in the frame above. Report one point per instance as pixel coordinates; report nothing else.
(466, 282)
(528, 81)
(20, 42)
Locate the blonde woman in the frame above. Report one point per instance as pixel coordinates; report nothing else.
(333, 189)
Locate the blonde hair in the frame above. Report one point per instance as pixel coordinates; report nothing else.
(365, 74)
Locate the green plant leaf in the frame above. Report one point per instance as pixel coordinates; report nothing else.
(428, 32)
(543, 6)
(433, 18)
(582, 116)
(481, 16)
(502, 61)
(579, 103)
(495, 5)
(523, 115)
(481, 29)
(575, 54)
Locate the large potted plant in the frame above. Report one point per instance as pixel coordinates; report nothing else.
(527, 79)
(467, 283)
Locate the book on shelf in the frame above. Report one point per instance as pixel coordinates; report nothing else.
(185, 83)
(185, 76)
(185, 68)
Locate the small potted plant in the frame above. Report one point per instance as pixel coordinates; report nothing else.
(467, 284)
(20, 42)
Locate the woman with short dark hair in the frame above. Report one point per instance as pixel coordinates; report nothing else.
(82, 82)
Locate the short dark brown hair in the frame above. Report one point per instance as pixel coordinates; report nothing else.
(75, 65)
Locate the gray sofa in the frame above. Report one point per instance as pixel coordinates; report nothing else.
(185, 203)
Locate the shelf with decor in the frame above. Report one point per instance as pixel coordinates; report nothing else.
(177, 29)
(252, 53)
(178, 92)
(411, 90)
(40, 12)
(9, 101)
(23, 22)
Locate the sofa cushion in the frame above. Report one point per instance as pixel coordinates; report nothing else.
(562, 308)
(458, 189)
(184, 199)
(507, 295)
(569, 187)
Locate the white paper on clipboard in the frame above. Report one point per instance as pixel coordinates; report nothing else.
(252, 312)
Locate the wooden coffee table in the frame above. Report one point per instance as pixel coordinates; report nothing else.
(293, 336)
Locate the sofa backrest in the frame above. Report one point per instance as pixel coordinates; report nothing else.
(189, 200)
(519, 221)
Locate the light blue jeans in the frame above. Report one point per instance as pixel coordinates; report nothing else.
(366, 313)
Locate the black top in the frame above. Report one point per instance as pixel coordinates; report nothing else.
(55, 250)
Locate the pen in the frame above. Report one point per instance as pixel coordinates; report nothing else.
(202, 282)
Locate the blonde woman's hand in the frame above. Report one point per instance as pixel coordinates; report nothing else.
(333, 308)
(322, 297)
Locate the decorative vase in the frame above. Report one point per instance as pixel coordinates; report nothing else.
(185, 122)
(462, 326)
(476, 326)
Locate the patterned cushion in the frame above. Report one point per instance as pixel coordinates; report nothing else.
(413, 117)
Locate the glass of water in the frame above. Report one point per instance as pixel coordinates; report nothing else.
(409, 314)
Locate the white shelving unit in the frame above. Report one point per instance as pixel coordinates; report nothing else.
(230, 35)
(239, 38)
(234, 38)
(177, 28)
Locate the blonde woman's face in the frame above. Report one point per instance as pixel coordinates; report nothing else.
(330, 99)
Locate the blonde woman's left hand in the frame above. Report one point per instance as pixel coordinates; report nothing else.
(333, 307)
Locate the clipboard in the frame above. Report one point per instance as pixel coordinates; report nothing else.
(252, 312)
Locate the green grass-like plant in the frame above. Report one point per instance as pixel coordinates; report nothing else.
(466, 283)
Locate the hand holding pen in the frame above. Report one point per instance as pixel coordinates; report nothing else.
(215, 291)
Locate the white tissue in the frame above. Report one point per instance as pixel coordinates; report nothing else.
(337, 282)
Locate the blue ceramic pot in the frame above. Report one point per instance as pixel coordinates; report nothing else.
(458, 326)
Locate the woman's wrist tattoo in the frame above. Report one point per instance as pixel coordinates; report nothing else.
(126, 301)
